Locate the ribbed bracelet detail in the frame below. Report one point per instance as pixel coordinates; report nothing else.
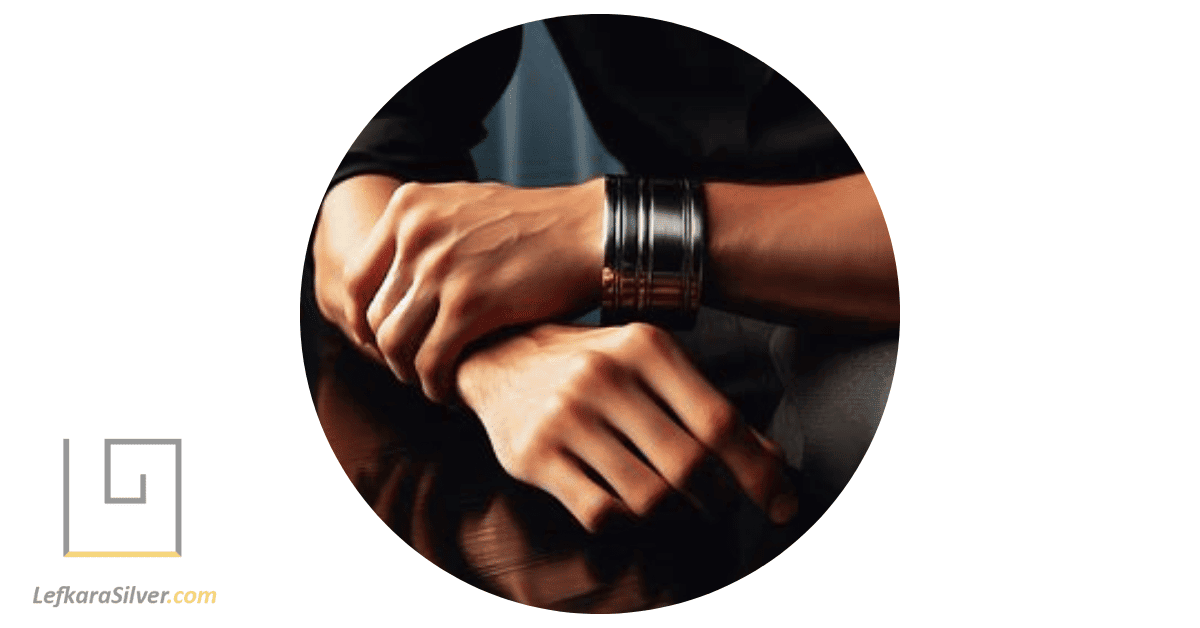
(654, 249)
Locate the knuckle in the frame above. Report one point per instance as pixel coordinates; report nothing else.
(414, 232)
(353, 281)
(523, 464)
(388, 341)
(653, 494)
(549, 430)
(644, 336)
(564, 413)
(596, 510)
(406, 195)
(461, 302)
(718, 424)
(544, 434)
(533, 446)
(680, 472)
(374, 314)
(428, 267)
(440, 264)
(528, 452)
(409, 238)
(429, 363)
(594, 367)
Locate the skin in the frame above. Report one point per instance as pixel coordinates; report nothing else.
(811, 249)
(413, 273)
(559, 400)
(416, 273)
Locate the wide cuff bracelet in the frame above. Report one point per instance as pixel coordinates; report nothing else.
(653, 250)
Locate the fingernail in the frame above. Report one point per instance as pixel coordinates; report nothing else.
(783, 508)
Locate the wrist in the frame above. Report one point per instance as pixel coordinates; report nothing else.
(477, 370)
(591, 202)
(654, 250)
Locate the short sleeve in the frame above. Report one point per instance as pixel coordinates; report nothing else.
(426, 131)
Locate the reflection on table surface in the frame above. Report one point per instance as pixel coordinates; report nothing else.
(428, 471)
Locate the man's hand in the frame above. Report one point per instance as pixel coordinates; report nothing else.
(622, 402)
(445, 264)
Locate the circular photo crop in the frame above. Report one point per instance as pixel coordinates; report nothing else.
(599, 313)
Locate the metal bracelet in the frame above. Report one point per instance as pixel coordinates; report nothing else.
(653, 250)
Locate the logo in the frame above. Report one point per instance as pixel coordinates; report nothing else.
(109, 522)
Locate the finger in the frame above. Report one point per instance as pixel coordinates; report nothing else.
(399, 335)
(437, 356)
(771, 446)
(713, 421)
(672, 451)
(638, 486)
(391, 292)
(590, 504)
(364, 273)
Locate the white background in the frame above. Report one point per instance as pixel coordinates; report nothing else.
(1036, 163)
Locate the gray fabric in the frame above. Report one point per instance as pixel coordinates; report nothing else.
(819, 396)
(834, 395)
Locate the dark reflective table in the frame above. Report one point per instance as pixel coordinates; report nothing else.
(428, 471)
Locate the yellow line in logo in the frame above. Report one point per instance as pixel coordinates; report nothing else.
(122, 555)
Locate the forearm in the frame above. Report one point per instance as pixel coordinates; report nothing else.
(820, 249)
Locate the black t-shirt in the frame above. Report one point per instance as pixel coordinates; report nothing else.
(664, 99)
